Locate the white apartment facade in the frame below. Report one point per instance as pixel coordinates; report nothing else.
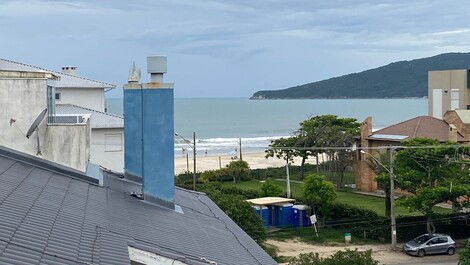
(78, 95)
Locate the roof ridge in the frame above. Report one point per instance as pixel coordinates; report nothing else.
(52, 71)
(417, 126)
(396, 124)
(97, 111)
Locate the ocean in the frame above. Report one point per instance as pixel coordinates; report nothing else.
(220, 122)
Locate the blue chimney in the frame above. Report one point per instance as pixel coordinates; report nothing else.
(149, 132)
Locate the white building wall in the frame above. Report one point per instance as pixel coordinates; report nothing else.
(21, 100)
(92, 98)
(68, 144)
(107, 148)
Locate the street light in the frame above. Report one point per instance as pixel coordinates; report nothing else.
(392, 194)
(194, 154)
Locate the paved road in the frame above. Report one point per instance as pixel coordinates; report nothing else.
(430, 260)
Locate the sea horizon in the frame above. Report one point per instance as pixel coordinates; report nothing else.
(219, 123)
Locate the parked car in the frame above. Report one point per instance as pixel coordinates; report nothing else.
(430, 244)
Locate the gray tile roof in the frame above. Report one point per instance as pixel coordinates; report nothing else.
(65, 81)
(98, 119)
(50, 217)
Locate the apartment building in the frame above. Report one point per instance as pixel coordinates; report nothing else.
(447, 90)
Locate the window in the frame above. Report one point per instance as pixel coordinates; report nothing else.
(50, 102)
(442, 240)
(113, 142)
(57, 96)
(433, 241)
(454, 98)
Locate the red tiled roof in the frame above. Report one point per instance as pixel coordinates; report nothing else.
(421, 126)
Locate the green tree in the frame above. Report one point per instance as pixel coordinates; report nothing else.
(346, 257)
(271, 189)
(238, 170)
(465, 255)
(435, 173)
(319, 192)
(282, 148)
(329, 131)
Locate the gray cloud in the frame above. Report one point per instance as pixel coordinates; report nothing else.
(230, 47)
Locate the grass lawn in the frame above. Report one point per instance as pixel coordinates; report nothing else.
(307, 234)
(376, 204)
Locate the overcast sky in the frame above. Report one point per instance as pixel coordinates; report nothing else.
(229, 48)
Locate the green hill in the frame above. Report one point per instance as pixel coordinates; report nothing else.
(395, 80)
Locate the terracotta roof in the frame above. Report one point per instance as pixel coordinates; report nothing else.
(421, 126)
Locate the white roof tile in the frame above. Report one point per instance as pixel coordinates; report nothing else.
(65, 81)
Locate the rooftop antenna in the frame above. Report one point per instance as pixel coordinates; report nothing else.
(34, 128)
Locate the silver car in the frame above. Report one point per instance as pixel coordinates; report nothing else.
(430, 244)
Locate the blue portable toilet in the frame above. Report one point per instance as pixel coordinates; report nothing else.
(285, 214)
(263, 213)
(300, 216)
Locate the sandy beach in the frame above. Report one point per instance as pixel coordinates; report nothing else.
(255, 160)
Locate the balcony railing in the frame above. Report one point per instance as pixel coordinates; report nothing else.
(68, 119)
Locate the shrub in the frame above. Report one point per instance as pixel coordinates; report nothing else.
(217, 186)
(347, 257)
(271, 189)
(465, 255)
(211, 175)
(319, 192)
(241, 213)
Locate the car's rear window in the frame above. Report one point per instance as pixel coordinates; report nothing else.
(422, 239)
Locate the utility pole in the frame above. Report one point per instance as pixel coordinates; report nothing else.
(392, 201)
(240, 146)
(194, 160)
(187, 162)
(288, 177)
(220, 162)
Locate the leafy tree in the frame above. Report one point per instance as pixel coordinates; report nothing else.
(465, 255)
(238, 169)
(329, 130)
(346, 257)
(319, 192)
(271, 189)
(282, 149)
(239, 211)
(433, 175)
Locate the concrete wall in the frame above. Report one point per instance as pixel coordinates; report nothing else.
(23, 95)
(68, 144)
(21, 100)
(446, 81)
(92, 98)
(104, 150)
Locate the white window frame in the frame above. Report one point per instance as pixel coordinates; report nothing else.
(108, 147)
(454, 98)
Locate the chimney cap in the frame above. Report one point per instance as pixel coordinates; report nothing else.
(156, 64)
